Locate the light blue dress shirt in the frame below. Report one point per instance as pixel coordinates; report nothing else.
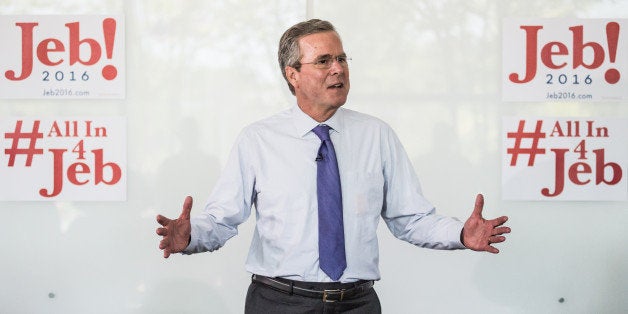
(272, 168)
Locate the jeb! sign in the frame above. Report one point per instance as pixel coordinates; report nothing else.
(565, 60)
(581, 159)
(59, 56)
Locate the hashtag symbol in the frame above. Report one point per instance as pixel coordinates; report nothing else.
(16, 136)
(533, 150)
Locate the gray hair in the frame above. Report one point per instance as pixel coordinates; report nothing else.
(289, 51)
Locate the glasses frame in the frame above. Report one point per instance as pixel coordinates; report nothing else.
(328, 60)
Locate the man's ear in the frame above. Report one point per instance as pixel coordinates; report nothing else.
(292, 75)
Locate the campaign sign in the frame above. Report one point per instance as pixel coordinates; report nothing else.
(579, 159)
(63, 159)
(580, 60)
(62, 56)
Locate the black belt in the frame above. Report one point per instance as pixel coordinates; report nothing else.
(327, 295)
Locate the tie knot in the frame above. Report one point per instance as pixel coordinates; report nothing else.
(322, 131)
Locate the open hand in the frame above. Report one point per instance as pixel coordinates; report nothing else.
(175, 232)
(478, 233)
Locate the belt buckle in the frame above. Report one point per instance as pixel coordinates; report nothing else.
(333, 293)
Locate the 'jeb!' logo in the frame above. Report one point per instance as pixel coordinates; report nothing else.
(54, 51)
(553, 53)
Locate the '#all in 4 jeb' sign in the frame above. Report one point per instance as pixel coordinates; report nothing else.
(59, 56)
(64, 159)
(565, 59)
(564, 159)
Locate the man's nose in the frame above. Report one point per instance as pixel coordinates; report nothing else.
(336, 67)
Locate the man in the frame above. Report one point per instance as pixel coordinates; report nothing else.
(320, 177)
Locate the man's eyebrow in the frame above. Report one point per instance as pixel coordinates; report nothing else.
(327, 56)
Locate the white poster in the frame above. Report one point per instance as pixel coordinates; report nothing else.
(580, 60)
(580, 159)
(63, 159)
(62, 56)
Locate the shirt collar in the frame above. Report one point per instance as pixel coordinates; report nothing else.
(304, 123)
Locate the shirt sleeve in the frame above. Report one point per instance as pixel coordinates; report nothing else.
(408, 215)
(229, 204)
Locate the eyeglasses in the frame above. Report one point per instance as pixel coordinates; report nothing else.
(325, 62)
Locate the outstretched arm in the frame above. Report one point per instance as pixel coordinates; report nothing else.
(478, 233)
(175, 232)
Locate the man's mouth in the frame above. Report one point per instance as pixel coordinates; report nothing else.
(337, 85)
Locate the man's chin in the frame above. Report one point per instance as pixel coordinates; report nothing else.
(338, 102)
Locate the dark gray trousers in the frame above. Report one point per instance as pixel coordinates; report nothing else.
(261, 299)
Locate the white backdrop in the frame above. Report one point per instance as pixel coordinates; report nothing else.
(198, 71)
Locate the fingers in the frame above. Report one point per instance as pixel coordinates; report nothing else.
(501, 230)
(163, 245)
(483, 233)
(169, 228)
(187, 208)
(496, 239)
(479, 205)
(491, 249)
(162, 231)
(162, 220)
(185, 213)
(499, 221)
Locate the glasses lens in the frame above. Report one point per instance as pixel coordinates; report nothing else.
(326, 62)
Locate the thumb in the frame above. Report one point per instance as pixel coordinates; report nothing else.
(187, 208)
(479, 205)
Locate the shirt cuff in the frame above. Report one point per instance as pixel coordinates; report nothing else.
(455, 234)
(190, 249)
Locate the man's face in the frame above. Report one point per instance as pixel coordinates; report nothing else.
(317, 87)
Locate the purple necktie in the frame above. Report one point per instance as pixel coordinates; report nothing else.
(331, 237)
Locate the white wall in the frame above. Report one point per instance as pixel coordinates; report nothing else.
(198, 71)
